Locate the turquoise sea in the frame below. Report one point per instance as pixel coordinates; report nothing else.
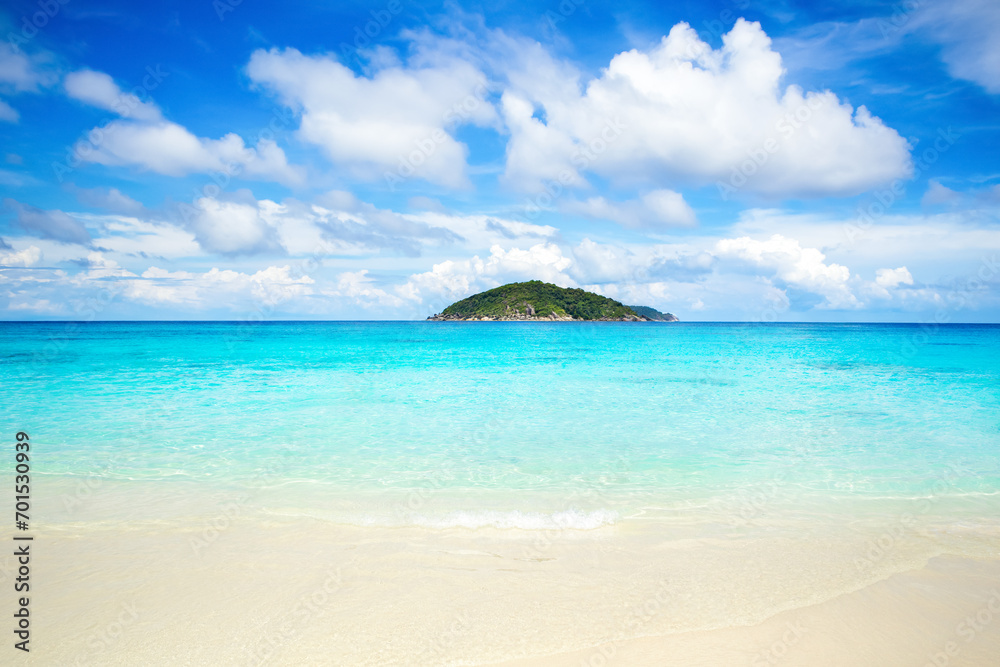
(530, 425)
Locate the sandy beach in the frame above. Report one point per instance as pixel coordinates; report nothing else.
(246, 589)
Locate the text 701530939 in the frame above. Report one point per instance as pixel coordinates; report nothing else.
(22, 550)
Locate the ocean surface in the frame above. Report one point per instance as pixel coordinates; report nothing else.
(510, 425)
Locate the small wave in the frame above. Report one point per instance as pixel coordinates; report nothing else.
(566, 520)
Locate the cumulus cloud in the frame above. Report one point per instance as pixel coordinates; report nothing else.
(538, 152)
(54, 224)
(27, 257)
(889, 278)
(337, 224)
(656, 209)
(170, 149)
(99, 90)
(794, 266)
(359, 288)
(604, 263)
(144, 139)
(686, 111)
(395, 124)
(232, 228)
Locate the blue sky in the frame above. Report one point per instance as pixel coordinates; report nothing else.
(733, 160)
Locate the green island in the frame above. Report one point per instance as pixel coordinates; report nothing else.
(538, 301)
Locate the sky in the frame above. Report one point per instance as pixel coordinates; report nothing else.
(730, 160)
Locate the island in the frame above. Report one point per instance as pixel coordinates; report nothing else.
(537, 301)
(653, 315)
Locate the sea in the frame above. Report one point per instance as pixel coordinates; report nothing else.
(507, 425)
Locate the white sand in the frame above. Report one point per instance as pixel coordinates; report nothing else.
(303, 591)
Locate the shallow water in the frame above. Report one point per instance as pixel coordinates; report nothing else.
(529, 425)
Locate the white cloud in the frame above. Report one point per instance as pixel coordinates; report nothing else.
(450, 280)
(145, 139)
(656, 209)
(605, 263)
(889, 278)
(99, 266)
(967, 31)
(24, 72)
(27, 257)
(99, 90)
(795, 266)
(484, 231)
(20, 302)
(396, 122)
(686, 111)
(54, 224)
(133, 236)
(939, 194)
(170, 149)
(8, 113)
(359, 288)
(536, 152)
(270, 286)
(111, 199)
(232, 228)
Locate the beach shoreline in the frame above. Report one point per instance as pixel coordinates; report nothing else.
(281, 590)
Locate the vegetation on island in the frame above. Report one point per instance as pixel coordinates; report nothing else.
(536, 300)
(653, 314)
